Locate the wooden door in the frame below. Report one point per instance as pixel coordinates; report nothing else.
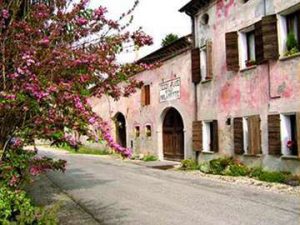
(173, 137)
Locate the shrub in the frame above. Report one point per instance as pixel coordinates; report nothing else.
(204, 167)
(16, 208)
(274, 176)
(189, 164)
(236, 170)
(149, 158)
(217, 166)
(255, 172)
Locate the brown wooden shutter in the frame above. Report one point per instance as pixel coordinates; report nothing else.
(215, 136)
(197, 136)
(298, 131)
(274, 135)
(254, 135)
(238, 135)
(147, 95)
(209, 60)
(259, 45)
(143, 95)
(196, 72)
(232, 51)
(270, 37)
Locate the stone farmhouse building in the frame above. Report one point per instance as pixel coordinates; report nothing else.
(232, 88)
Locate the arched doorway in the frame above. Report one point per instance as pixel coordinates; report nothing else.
(120, 124)
(173, 136)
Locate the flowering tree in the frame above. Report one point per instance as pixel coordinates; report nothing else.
(53, 58)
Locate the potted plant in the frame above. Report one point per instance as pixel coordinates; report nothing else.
(250, 62)
(291, 45)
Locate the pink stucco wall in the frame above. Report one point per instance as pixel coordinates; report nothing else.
(153, 114)
(259, 91)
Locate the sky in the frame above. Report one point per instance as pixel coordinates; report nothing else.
(157, 18)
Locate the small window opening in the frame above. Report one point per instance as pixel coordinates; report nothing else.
(137, 131)
(204, 19)
(148, 131)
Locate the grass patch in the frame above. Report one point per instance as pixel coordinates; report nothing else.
(230, 167)
(86, 150)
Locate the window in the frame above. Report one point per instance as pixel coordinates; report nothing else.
(288, 135)
(206, 61)
(203, 63)
(137, 131)
(247, 135)
(145, 95)
(290, 33)
(248, 51)
(148, 131)
(210, 136)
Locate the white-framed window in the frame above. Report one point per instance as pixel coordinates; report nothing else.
(289, 31)
(203, 62)
(247, 47)
(288, 134)
(210, 136)
(245, 135)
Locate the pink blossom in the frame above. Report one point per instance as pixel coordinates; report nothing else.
(81, 21)
(5, 14)
(44, 42)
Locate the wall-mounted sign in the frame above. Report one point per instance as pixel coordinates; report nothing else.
(169, 90)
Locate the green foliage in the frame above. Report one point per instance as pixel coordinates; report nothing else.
(16, 208)
(291, 41)
(189, 164)
(217, 166)
(269, 176)
(169, 39)
(149, 158)
(236, 170)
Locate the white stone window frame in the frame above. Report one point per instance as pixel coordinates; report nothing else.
(203, 62)
(285, 132)
(206, 135)
(282, 28)
(243, 45)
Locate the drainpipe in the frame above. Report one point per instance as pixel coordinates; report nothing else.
(195, 84)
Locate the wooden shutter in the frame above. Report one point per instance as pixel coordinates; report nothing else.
(298, 131)
(259, 45)
(254, 135)
(238, 135)
(143, 95)
(147, 95)
(209, 58)
(274, 135)
(215, 136)
(270, 37)
(232, 51)
(197, 136)
(196, 72)
(298, 22)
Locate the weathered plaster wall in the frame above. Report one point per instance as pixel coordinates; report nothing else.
(273, 88)
(153, 114)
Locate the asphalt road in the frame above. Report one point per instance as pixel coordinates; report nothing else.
(116, 192)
